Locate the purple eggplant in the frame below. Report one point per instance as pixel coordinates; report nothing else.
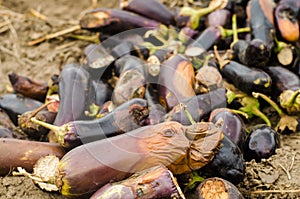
(112, 21)
(152, 9)
(103, 92)
(15, 105)
(176, 80)
(217, 188)
(155, 61)
(199, 106)
(126, 117)
(220, 17)
(231, 124)
(155, 182)
(261, 142)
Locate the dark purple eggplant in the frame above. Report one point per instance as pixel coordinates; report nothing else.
(261, 21)
(253, 53)
(217, 188)
(245, 78)
(286, 88)
(286, 21)
(15, 105)
(112, 21)
(28, 87)
(182, 149)
(132, 80)
(6, 133)
(261, 142)
(207, 78)
(220, 17)
(199, 106)
(176, 80)
(76, 94)
(152, 9)
(98, 62)
(126, 117)
(155, 182)
(231, 124)
(103, 92)
(156, 110)
(228, 163)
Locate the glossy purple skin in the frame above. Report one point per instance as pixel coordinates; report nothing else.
(220, 17)
(261, 143)
(232, 125)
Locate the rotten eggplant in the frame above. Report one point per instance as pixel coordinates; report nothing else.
(126, 117)
(155, 182)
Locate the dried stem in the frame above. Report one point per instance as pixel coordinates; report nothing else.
(275, 191)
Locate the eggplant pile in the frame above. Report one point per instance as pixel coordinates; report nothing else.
(164, 99)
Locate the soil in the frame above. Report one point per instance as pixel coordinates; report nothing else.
(19, 25)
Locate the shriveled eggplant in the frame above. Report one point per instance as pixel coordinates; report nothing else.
(28, 87)
(126, 117)
(217, 188)
(24, 153)
(261, 142)
(112, 21)
(155, 182)
(180, 148)
(15, 105)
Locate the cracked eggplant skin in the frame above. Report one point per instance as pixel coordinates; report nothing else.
(247, 79)
(180, 148)
(228, 163)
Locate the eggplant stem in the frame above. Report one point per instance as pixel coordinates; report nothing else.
(260, 114)
(228, 32)
(279, 45)
(221, 61)
(293, 98)
(271, 102)
(240, 113)
(187, 113)
(92, 39)
(234, 30)
(36, 111)
(23, 172)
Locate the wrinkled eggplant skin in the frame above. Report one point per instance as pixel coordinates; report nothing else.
(15, 105)
(283, 79)
(217, 187)
(152, 9)
(261, 142)
(228, 163)
(28, 87)
(155, 182)
(247, 79)
(76, 94)
(199, 106)
(232, 125)
(124, 118)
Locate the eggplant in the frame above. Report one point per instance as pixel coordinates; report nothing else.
(126, 117)
(207, 78)
(220, 17)
(180, 148)
(217, 188)
(103, 92)
(231, 124)
(113, 21)
(155, 182)
(286, 21)
(176, 80)
(228, 163)
(132, 80)
(155, 61)
(245, 78)
(286, 88)
(24, 153)
(152, 9)
(76, 94)
(15, 105)
(261, 142)
(28, 87)
(199, 106)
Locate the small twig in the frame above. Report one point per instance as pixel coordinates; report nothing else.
(9, 52)
(54, 35)
(286, 171)
(38, 14)
(2, 24)
(275, 191)
(16, 47)
(292, 163)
